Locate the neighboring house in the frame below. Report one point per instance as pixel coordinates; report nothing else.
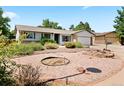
(107, 37)
(60, 36)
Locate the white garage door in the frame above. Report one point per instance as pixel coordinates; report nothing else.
(84, 40)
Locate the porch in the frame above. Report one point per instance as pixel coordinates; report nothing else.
(36, 36)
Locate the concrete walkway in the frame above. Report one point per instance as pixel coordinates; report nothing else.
(117, 79)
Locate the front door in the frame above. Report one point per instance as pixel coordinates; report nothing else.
(56, 38)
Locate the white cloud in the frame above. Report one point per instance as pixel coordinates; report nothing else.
(11, 15)
(86, 7)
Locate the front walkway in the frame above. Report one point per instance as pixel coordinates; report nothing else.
(117, 79)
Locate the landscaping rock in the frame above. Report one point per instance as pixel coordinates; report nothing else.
(100, 53)
(81, 70)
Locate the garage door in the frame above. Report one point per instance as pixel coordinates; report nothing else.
(84, 40)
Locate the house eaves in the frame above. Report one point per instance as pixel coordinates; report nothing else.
(44, 30)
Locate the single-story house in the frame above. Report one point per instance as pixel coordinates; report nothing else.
(60, 36)
(106, 37)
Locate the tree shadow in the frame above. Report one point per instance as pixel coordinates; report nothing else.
(93, 70)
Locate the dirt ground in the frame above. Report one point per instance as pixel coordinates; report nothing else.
(97, 69)
(117, 79)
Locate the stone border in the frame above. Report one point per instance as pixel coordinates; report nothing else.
(68, 61)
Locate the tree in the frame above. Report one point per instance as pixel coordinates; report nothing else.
(83, 26)
(4, 24)
(71, 27)
(46, 23)
(59, 27)
(12, 34)
(119, 25)
(80, 26)
(50, 24)
(87, 26)
(92, 31)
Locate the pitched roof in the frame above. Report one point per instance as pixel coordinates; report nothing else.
(46, 30)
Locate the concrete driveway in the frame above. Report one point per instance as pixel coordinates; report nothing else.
(118, 79)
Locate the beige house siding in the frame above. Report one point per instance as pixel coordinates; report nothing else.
(83, 37)
(74, 38)
(110, 37)
(99, 40)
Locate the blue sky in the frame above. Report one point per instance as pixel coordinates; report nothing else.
(100, 18)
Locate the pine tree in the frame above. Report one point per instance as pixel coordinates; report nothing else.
(50, 24)
(87, 27)
(71, 27)
(119, 25)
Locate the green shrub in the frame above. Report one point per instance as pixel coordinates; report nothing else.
(3, 41)
(7, 69)
(45, 40)
(36, 46)
(7, 52)
(12, 49)
(78, 45)
(51, 46)
(73, 45)
(21, 38)
(69, 45)
(24, 49)
(3, 51)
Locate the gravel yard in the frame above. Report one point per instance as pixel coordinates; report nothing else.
(97, 69)
(117, 79)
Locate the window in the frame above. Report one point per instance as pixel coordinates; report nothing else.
(45, 35)
(66, 38)
(30, 35)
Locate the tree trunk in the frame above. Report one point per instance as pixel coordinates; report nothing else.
(122, 41)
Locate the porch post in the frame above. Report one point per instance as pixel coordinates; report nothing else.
(17, 35)
(52, 36)
(60, 39)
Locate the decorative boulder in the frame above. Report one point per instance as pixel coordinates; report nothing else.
(81, 69)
